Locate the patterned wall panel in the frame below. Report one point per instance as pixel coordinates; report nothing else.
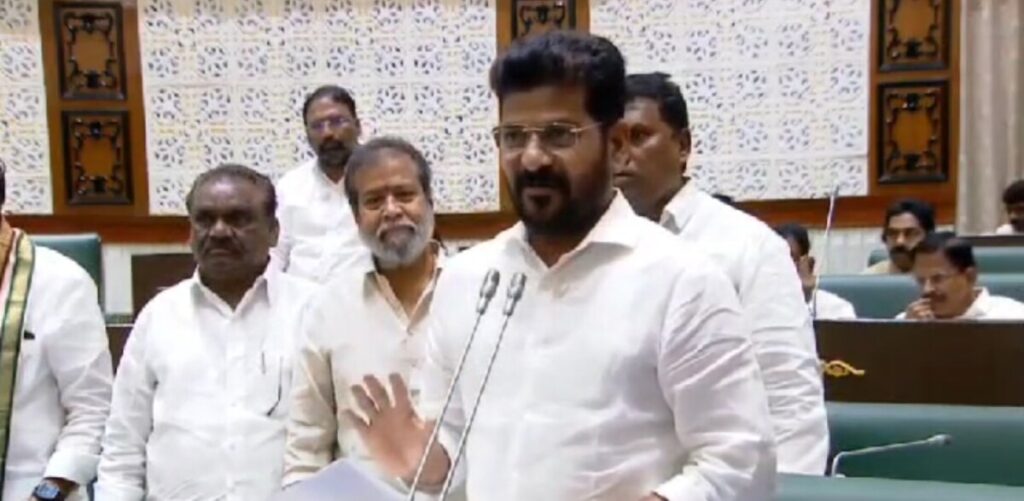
(778, 89)
(225, 81)
(914, 34)
(530, 17)
(90, 50)
(913, 129)
(97, 152)
(24, 139)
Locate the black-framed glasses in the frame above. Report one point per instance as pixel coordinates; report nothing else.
(553, 136)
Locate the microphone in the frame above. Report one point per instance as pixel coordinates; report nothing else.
(832, 196)
(515, 293)
(488, 288)
(940, 440)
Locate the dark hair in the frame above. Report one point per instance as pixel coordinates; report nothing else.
(566, 58)
(336, 94)
(238, 172)
(3, 182)
(660, 88)
(922, 211)
(958, 251)
(1014, 193)
(370, 153)
(799, 235)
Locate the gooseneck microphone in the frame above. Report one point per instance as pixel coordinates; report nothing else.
(824, 255)
(940, 440)
(488, 288)
(515, 293)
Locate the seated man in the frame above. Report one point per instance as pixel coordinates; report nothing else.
(946, 272)
(906, 223)
(1013, 202)
(371, 318)
(55, 371)
(201, 393)
(824, 305)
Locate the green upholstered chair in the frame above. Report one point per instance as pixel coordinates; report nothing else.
(987, 444)
(990, 259)
(807, 488)
(885, 296)
(82, 248)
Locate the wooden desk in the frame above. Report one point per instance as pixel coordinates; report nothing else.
(966, 363)
(152, 273)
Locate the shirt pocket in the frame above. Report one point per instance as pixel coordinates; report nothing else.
(270, 385)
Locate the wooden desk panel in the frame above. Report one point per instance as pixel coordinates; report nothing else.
(995, 240)
(152, 273)
(117, 336)
(965, 363)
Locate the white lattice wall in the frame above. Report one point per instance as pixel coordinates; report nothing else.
(224, 80)
(777, 89)
(24, 141)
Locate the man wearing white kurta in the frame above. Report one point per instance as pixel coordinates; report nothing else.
(371, 318)
(61, 387)
(318, 232)
(947, 274)
(627, 373)
(756, 260)
(201, 393)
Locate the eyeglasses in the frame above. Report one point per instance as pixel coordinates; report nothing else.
(329, 123)
(554, 136)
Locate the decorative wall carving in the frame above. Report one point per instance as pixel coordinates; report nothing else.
(913, 128)
(914, 34)
(24, 137)
(96, 156)
(531, 17)
(91, 50)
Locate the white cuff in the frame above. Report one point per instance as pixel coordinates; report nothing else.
(680, 488)
(106, 491)
(74, 466)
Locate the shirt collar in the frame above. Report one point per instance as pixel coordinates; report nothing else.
(681, 207)
(979, 308)
(617, 227)
(320, 178)
(265, 283)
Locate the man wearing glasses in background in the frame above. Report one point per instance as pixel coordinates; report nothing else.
(200, 396)
(318, 232)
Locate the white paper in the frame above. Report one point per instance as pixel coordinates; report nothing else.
(343, 480)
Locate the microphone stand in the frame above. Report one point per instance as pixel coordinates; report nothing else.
(940, 440)
(487, 290)
(824, 256)
(515, 293)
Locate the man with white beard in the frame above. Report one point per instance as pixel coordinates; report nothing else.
(371, 318)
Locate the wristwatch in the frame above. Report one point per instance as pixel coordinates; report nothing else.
(48, 491)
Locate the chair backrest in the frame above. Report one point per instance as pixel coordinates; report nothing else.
(990, 259)
(885, 296)
(86, 249)
(987, 442)
(815, 488)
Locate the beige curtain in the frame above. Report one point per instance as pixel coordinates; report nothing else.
(991, 110)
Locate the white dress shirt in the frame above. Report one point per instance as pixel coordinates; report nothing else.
(356, 326)
(1005, 229)
(626, 369)
(201, 395)
(828, 306)
(318, 230)
(757, 262)
(989, 307)
(62, 393)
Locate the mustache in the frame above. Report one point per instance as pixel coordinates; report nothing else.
(541, 179)
(900, 249)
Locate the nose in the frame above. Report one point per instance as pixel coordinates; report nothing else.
(220, 229)
(901, 239)
(534, 156)
(391, 207)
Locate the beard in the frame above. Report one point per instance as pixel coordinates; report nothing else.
(571, 215)
(333, 154)
(400, 245)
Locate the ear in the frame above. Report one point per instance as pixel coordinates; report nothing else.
(617, 142)
(972, 275)
(810, 262)
(685, 143)
(275, 231)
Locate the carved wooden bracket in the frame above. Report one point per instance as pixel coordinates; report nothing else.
(532, 17)
(97, 170)
(913, 140)
(915, 35)
(90, 50)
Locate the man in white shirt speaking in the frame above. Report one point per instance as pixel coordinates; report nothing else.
(201, 393)
(372, 317)
(947, 274)
(653, 178)
(626, 373)
(318, 232)
(55, 371)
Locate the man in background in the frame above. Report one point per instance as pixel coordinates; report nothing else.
(653, 178)
(947, 275)
(55, 370)
(823, 304)
(372, 317)
(907, 222)
(318, 232)
(202, 389)
(1013, 203)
